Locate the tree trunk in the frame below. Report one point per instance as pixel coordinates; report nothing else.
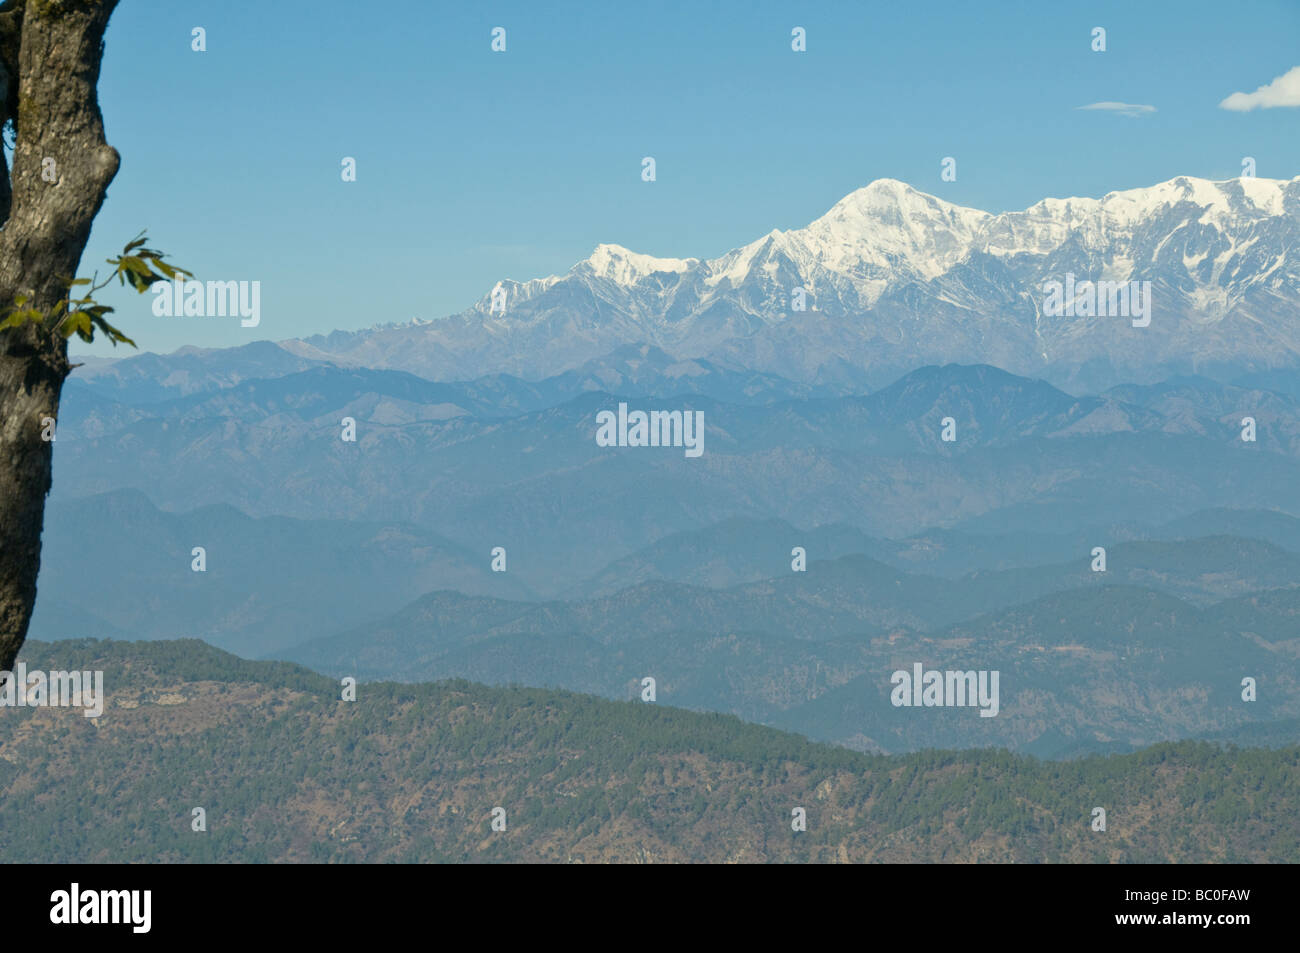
(29, 392)
(50, 54)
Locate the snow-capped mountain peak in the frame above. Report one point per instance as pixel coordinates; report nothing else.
(626, 267)
(889, 224)
(891, 277)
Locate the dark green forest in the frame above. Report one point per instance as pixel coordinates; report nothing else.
(287, 771)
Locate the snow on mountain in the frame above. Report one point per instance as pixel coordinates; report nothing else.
(895, 278)
(626, 267)
(890, 226)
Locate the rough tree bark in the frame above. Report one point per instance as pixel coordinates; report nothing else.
(50, 53)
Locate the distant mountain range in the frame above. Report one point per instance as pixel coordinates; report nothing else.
(893, 279)
(1089, 661)
(632, 369)
(738, 551)
(273, 582)
(116, 566)
(1026, 456)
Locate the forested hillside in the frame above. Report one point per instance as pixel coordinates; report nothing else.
(285, 770)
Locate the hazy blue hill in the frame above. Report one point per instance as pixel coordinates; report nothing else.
(87, 412)
(643, 370)
(1282, 380)
(1098, 666)
(272, 584)
(311, 394)
(1273, 617)
(116, 563)
(1184, 395)
(54, 620)
(1121, 478)
(729, 553)
(950, 552)
(1183, 556)
(1201, 570)
(745, 673)
(406, 641)
(1280, 529)
(1084, 670)
(853, 596)
(994, 406)
(149, 378)
(1028, 458)
(638, 370)
(1193, 403)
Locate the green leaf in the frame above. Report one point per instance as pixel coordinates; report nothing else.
(78, 323)
(136, 265)
(21, 316)
(113, 333)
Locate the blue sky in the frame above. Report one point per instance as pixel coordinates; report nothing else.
(474, 165)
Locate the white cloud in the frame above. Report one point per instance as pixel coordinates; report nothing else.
(1283, 91)
(1132, 110)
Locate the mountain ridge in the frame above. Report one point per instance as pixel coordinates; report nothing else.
(891, 278)
(894, 278)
